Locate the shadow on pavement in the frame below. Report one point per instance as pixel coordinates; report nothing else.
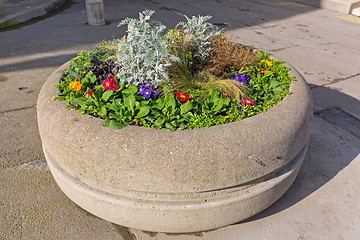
(69, 23)
(334, 143)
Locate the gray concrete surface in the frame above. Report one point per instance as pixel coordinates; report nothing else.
(343, 6)
(13, 12)
(323, 45)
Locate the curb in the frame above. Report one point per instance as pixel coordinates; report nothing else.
(9, 19)
(343, 6)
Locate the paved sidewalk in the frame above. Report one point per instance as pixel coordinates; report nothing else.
(343, 6)
(323, 45)
(13, 12)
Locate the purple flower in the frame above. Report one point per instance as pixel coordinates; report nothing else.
(146, 91)
(155, 91)
(241, 78)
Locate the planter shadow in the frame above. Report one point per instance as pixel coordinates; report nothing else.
(330, 147)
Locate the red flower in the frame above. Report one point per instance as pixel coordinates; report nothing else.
(182, 96)
(90, 92)
(264, 69)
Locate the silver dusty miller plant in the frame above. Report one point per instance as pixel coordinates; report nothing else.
(198, 31)
(143, 55)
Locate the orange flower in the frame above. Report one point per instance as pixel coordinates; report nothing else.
(75, 85)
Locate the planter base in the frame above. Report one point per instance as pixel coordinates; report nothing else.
(180, 212)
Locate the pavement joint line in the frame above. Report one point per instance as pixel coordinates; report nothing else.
(17, 109)
(321, 113)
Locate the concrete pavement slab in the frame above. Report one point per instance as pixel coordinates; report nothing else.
(13, 12)
(33, 207)
(19, 137)
(20, 73)
(343, 94)
(336, 62)
(344, 6)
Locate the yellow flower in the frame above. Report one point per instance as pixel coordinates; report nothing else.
(75, 85)
(267, 62)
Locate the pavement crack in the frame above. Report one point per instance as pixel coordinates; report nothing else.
(17, 109)
(336, 80)
(173, 10)
(280, 49)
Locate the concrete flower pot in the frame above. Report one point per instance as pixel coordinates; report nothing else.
(182, 181)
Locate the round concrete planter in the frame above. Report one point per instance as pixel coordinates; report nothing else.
(182, 181)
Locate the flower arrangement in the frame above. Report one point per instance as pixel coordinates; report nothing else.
(183, 78)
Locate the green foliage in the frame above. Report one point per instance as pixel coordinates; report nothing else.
(269, 87)
(172, 61)
(76, 69)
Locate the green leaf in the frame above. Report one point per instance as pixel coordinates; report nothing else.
(59, 98)
(168, 98)
(76, 101)
(98, 93)
(218, 105)
(80, 111)
(89, 78)
(106, 122)
(143, 112)
(274, 84)
(170, 101)
(129, 102)
(116, 125)
(182, 125)
(268, 73)
(103, 111)
(131, 90)
(278, 90)
(107, 94)
(159, 104)
(170, 126)
(159, 122)
(214, 94)
(117, 103)
(186, 107)
(114, 115)
(187, 116)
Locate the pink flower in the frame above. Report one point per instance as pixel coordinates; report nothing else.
(247, 101)
(110, 83)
